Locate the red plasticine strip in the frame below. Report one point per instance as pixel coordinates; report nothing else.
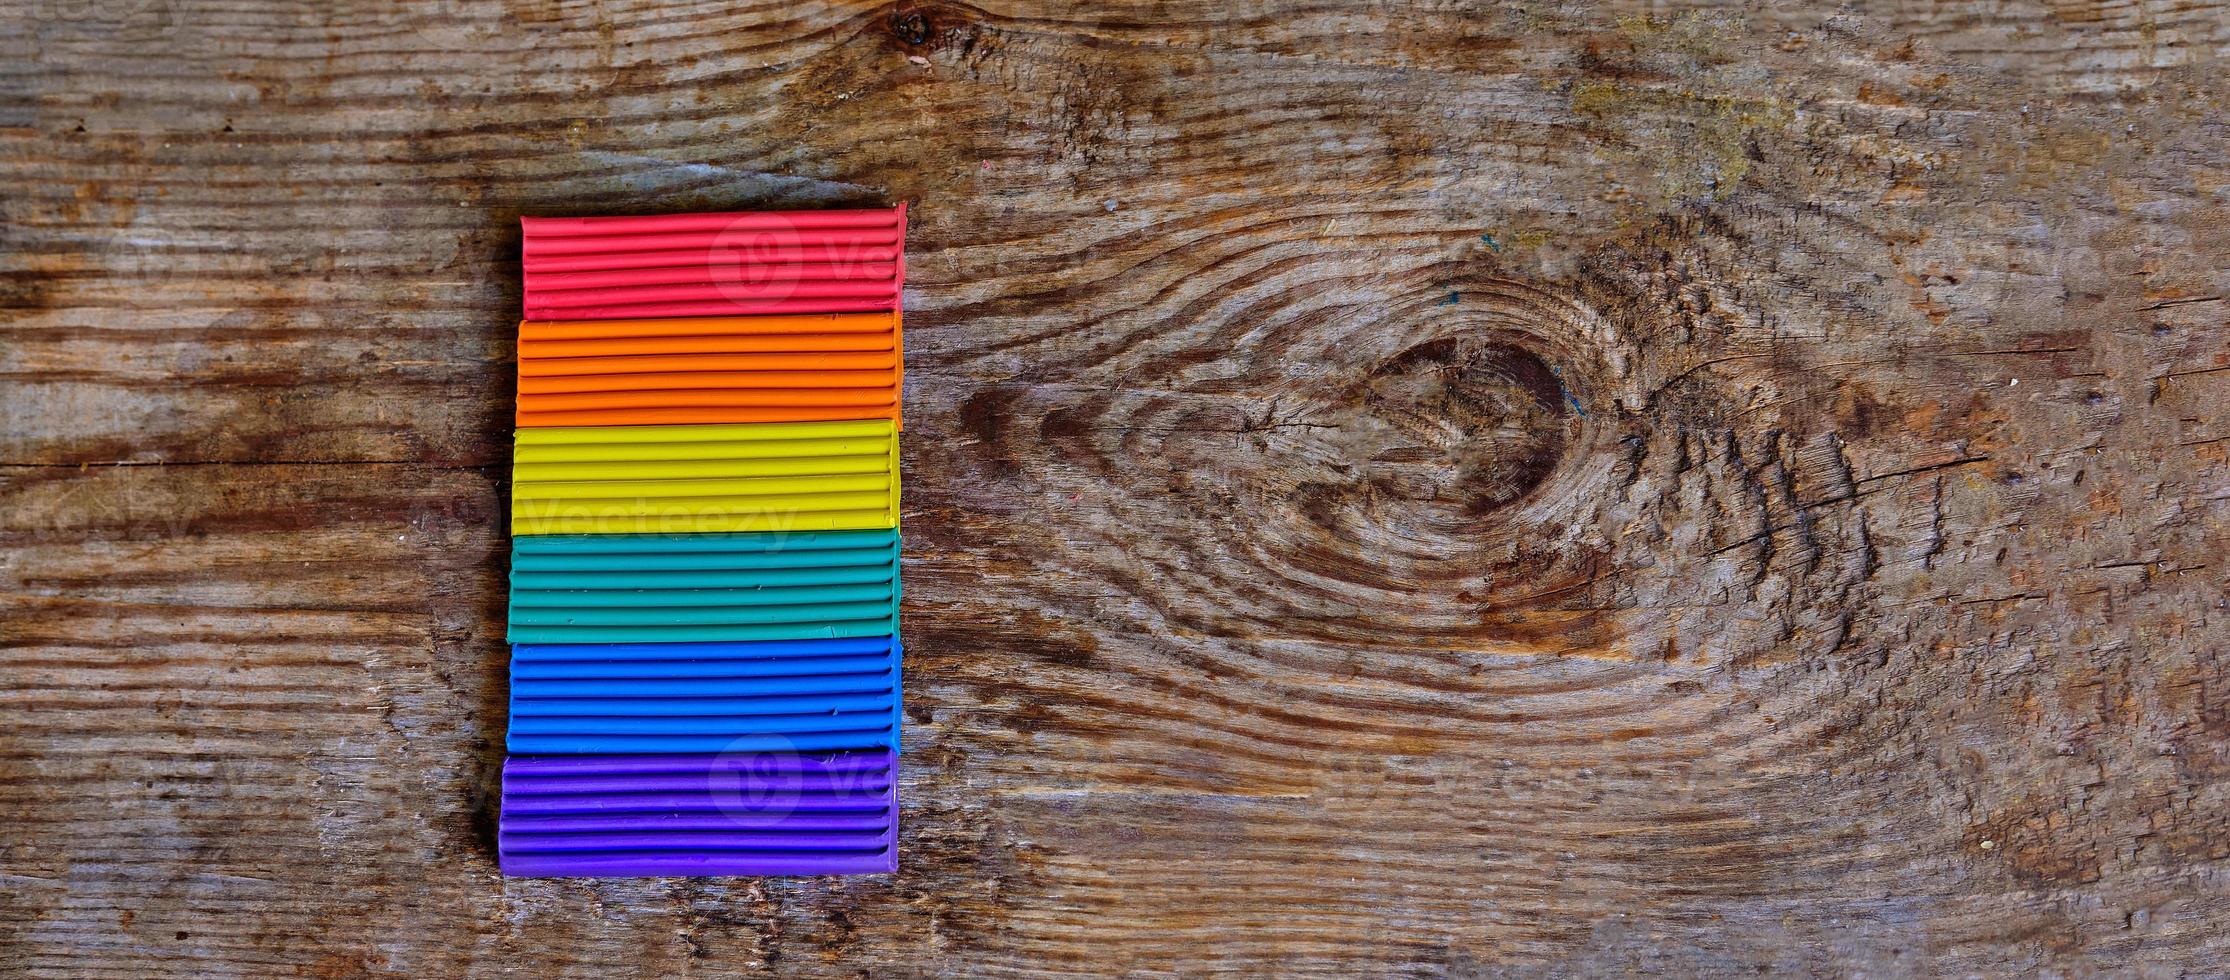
(599, 261)
(712, 265)
(643, 224)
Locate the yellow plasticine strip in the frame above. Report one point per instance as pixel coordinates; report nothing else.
(767, 476)
(686, 469)
(599, 452)
(753, 486)
(890, 513)
(857, 520)
(739, 505)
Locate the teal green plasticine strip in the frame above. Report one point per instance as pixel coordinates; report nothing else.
(802, 595)
(675, 588)
(698, 615)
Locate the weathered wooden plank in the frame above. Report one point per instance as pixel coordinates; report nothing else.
(1391, 488)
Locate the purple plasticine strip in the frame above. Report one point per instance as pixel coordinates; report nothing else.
(693, 864)
(675, 815)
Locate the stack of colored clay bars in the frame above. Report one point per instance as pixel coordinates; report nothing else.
(704, 565)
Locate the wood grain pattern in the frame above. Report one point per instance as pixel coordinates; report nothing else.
(1419, 488)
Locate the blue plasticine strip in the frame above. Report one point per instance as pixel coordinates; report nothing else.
(706, 697)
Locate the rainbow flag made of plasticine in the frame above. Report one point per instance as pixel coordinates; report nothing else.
(704, 561)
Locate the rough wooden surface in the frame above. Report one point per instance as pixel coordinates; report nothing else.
(1391, 487)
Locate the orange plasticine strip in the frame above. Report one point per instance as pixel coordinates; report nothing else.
(803, 389)
(697, 416)
(735, 369)
(715, 398)
(773, 361)
(798, 384)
